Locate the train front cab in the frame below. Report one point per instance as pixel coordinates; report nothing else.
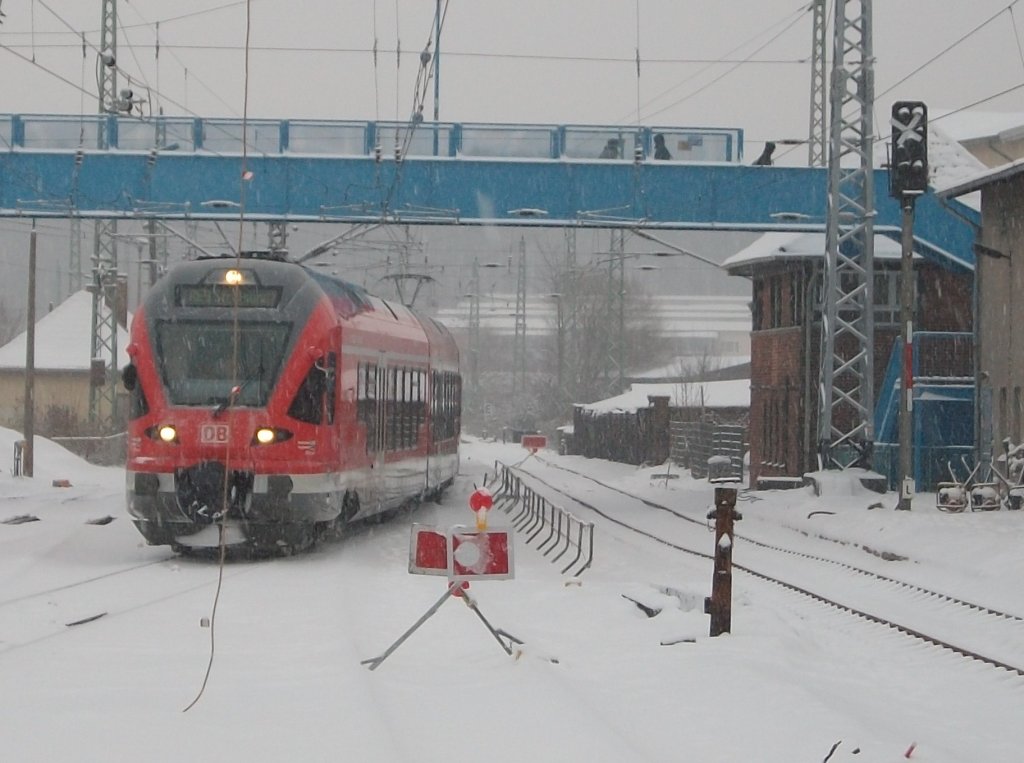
(255, 440)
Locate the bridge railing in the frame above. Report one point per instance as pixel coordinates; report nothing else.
(54, 132)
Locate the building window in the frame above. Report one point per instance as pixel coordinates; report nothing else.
(776, 301)
(887, 297)
(1004, 417)
(797, 297)
(1016, 415)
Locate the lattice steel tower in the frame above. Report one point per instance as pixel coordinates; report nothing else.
(817, 143)
(615, 375)
(105, 287)
(846, 382)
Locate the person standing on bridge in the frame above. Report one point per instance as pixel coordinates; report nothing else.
(660, 152)
(611, 149)
(765, 159)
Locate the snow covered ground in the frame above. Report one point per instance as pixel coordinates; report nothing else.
(592, 683)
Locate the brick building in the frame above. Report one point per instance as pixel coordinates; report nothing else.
(786, 270)
(1000, 269)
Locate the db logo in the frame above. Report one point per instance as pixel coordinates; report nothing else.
(213, 434)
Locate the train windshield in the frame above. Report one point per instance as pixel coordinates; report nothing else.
(196, 361)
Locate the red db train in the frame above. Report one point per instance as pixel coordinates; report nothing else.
(270, 403)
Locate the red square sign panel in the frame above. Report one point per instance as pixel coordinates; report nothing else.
(428, 551)
(534, 442)
(481, 555)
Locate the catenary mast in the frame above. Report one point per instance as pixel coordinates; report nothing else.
(105, 285)
(846, 381)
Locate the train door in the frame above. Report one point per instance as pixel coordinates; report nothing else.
(380, 446)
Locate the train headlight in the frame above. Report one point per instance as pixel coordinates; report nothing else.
(269, 435)
(233, 277)
(167, 433)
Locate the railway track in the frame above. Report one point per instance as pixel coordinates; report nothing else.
(84, 581)
(35, 617)
(969, 629)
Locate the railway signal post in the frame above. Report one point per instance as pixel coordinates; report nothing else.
(719, 604)
(908, 179)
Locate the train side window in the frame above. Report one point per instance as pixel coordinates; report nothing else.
(138, 406)
(392, 409)
(331, 382)
(417, 403)
(403, 407)
(435, 407)
(367, 405)
(308, 403)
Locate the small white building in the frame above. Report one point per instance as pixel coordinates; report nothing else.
(62, 364)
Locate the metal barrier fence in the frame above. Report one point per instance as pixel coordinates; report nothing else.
(553, 529)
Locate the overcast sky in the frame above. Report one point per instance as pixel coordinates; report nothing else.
(737, 64)
(742, 63)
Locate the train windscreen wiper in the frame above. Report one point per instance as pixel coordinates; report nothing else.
(236, 391)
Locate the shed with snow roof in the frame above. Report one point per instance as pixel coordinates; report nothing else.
(62, 368)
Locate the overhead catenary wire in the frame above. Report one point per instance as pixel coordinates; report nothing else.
(951, 46)
(454, 53)
(95, 98)
(637, 62)
(155, 26)
(1016, 37)
(733, 67)
(947, 49)
(376, 81)
(126, 74)
(243, 180)
(786, 22)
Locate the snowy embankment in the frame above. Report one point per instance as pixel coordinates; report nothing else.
(592, 682)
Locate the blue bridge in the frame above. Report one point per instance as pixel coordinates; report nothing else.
(444, 173)
(110, 167)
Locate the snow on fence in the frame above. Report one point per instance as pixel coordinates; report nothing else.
(694, 443)
(549, 528)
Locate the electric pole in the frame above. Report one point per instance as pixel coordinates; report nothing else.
(519, 342)
(846, 382)
(908, 179)
(816, 133)
(615, 379)
(474, 337)
(105, 288)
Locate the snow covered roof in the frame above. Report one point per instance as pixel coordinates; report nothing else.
(784, 246)
(63, 339)
(734, 393)
(971, 124)
(982, 178)
(949, 162)
(689, 365)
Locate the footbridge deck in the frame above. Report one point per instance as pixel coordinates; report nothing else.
(441, 173)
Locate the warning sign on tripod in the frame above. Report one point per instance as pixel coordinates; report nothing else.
(461, 554)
